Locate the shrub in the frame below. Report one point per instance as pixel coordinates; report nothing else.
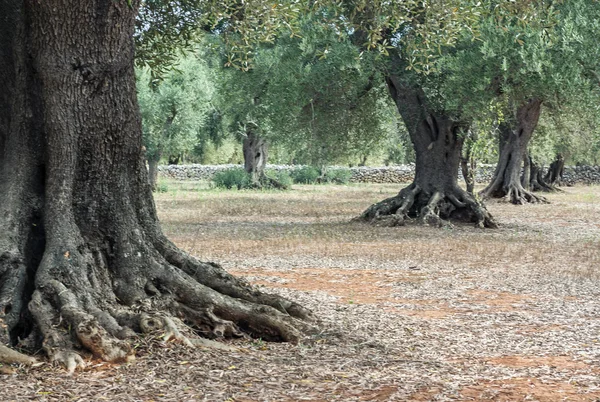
(281, 177)
(305, 175)
(161, 187)
(232, 178)
(338, 176)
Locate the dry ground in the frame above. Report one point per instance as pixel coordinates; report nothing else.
(408, 313)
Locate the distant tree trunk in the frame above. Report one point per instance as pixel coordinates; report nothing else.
(555, 171)
(174, 159)
(434, 195)
(468, 163)
(255, 156)
(153, 172)
(156, 154)
(84, 264)
(468, 166)
(537, 181)
(515, 134)
(527, 173)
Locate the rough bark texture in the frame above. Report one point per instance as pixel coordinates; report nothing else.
(515, 135)
(255, 156)
(434, 195)
(255, 160)
(83, 262)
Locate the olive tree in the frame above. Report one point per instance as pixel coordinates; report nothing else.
(84, 264)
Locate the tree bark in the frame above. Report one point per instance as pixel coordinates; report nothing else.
(515, 135)
(537, 181)
(527, 166)
(434, 196)
(255, 156)
(467, 166)
(555, 171)
(84, 264)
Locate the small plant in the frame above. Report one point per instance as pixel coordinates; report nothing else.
(282, 178)
(232, 178)
(305, 175)
(162, 188)
(338, 176)
(259, 344)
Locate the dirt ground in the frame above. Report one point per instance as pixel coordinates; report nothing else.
(407, 314)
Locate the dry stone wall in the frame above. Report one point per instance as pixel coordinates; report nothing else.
(386, 174)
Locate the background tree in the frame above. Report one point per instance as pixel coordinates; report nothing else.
(176, 111)
(527, 65)
(413, 35)
(312, 96)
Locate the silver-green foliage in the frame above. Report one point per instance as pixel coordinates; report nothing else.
(176, 112)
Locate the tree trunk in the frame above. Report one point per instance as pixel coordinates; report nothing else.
(174, 159)
(526, 177)
(537, 181)
(255, 156)
(155, 155)
(515, 134)
(434, 195)
(153, 172)
(468, 164)
(84, 264)
(555, 171)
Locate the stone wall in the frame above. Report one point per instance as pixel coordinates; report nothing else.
(386, 174)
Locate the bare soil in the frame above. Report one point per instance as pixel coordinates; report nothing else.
(407, 313)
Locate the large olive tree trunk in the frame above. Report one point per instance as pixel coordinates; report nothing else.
(434, 195)
(83, 262)
(515, 135)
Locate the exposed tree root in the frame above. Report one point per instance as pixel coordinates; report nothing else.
(538, 183)
(516, 194)
(172, 293)
(215, 277)
(432, 209)
(10, 356)
(543, 187)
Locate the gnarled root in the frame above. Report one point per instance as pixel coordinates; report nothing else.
(539, 184)
(214, 276)
(391, 211)
(66, 326)
(9, 356)
(13, 281)
(163, 298)
(516, 194)
(434, 208)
